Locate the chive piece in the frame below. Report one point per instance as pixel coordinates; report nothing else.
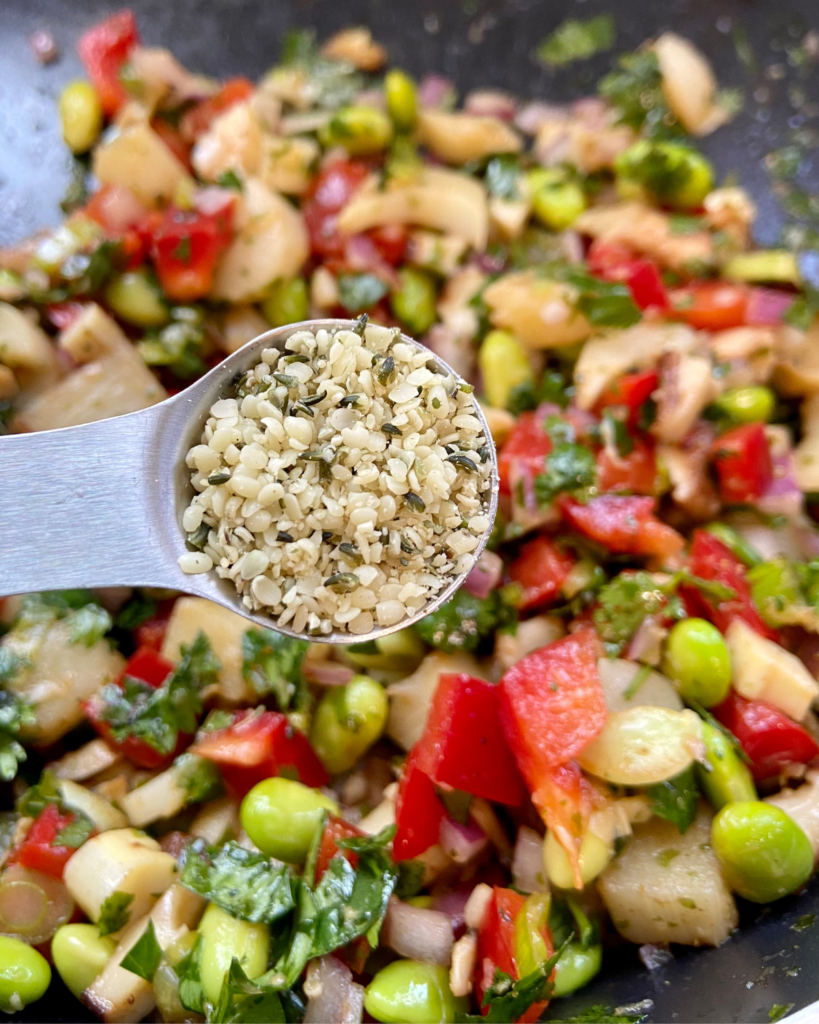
(360, 325)
(387, 369)
(414, 502)
(464, 462)
(351, 553)
(284, 537)
(343, 582)
(349, 400)
(392, 430)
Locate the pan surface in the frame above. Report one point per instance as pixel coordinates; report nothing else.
(771, 962)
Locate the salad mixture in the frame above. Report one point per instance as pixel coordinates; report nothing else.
(606, 734)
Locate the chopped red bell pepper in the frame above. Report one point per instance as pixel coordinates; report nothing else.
(199, 118)
(336, 828)
(625, 525)
(710, 305)
(614, 261)
(256, 747)
(771, 740)
(631, 390)
(563, 800)
(635, 472)
(418, 812)
(148, 666)
(37, 851)
(391, 242)
(552, 705)
(541, 569)
(711, 560)
(185, 246)
(103, 49)
(332, 190)
(525, 449)
(743, 461)
(463, 745)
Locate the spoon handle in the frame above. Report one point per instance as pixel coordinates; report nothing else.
(74, 508)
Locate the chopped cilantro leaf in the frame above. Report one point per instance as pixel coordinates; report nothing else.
(189, 973)
(358, 292)
(623, 603)
(333, 83)
(199, 777)
(88, 625)
(15, 714)
(599, 1014)
(502, 177)
(75, 832)
(143, 957)
(138, 610)
(676, 799)
(568, 468)
(272, 664)
(507, 999)
(635, 91)
(229, 179)
(462, 622)
(34, 799)
(242, 1001)
(114, 913)
(577, 40)
(247, 885)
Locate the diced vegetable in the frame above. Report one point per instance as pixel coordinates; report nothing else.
(538, 311)
(504, 367)
(762, 670)
(80, 115)
(459, 138)
(80, 953)
(347, 721)
(136, 158)
(223, 938)
(770, 739)
(103, 49)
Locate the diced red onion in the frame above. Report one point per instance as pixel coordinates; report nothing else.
(418, 933)
(213, 200)
(488, 262)
(783, 496)
(592, 111)
(332, 995)
(452, 904)
(646, 644)
(435, 91)
(461, 842)
(766, 307)
(491, 103)
(486, 575)
(532, 115)
(572, 246)
(32, 905)
(654, 957)
(460, 355)
(45, 48)
(361, 254)
(328, 673)
(527, 861)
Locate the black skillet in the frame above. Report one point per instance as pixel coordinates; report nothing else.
(487, 43)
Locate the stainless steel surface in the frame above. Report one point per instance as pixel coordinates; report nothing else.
(101, 504)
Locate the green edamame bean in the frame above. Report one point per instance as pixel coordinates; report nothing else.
(135, 298)
(726, 778)
(504, 367)
(576, 967)
(280, 816)
(399, 652)
(24, 975)
(748, 405)
(225, 937)
(347, 721)
(402, 99)
(287, 302)
(556, 201)
(79, 953)
(80, 116)
(668, 172)
(764, 854)
(360, 130)
(697, 659)
(409, 992)
(414, 302)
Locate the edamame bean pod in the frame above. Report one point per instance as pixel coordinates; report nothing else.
(80, 116)
(135, 298)
(24, 975)
(402, 99)
(504, 367)
(697, 659)
(725, 778)
(414, 302)
(409, 992)
(280, 816)
(576, 967)
(748, 405)
(556, 201)
(360, 130)
(225, 937)
(79, 953)
(764, 854)
(286, 303)
(347, 721)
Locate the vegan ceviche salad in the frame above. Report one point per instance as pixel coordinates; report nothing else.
(607, 732)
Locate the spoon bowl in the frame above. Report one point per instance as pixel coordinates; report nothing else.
(100, 504)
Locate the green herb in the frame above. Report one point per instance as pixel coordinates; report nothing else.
(229, 179)
(640, 676)
(635, 90)
(803, 922)
(664, 857)
(410, 879)
(779, 1010)
(803, 310)
(599, 1014)
(144, 956)
(735, 543)
(676, 799)
(242, 1001)
(76, 191)
(15, 715)
(618, 433)
(568, 468)
(75, 832)
(357, 292)
(189, 973)
(507, 999)
(272, 664)
(623, 603)
(333, 83)
(138, 610)
(602, 303)
(157, 716)
(462, 622)
(199, 777)
(179, 345)
(577, 40)
(35, 798)
(88, 625)
(246, 885)
(502, 177)
(114, 912)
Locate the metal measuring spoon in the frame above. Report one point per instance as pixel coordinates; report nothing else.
(100, 504)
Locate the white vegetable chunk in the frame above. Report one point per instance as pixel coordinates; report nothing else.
(538, 311)
(23, 345)
(802, 804)
(762, 670)
(122, 860)
(458, 138)
(160, 797)
(136, 157)
(100, 811)
(617, 675)
(667, 887)
(689, 84)
(77, 765)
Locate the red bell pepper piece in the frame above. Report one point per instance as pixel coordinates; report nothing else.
(771, 740)
(564, 801)
(635, 472)
(463, 745)
(743, 461)
(710, 305)
(541, 569)
(391, 242)
(625, 525)
(330, 192)
(335, 829)
(185, 246)
(711, 560)
(552, 705)
(199, 118)
(525, 449)
(418, 812)
(614, 261)
(37, 851)
(103, 49)
(630, 391)
(148, 666)
(256, 747)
